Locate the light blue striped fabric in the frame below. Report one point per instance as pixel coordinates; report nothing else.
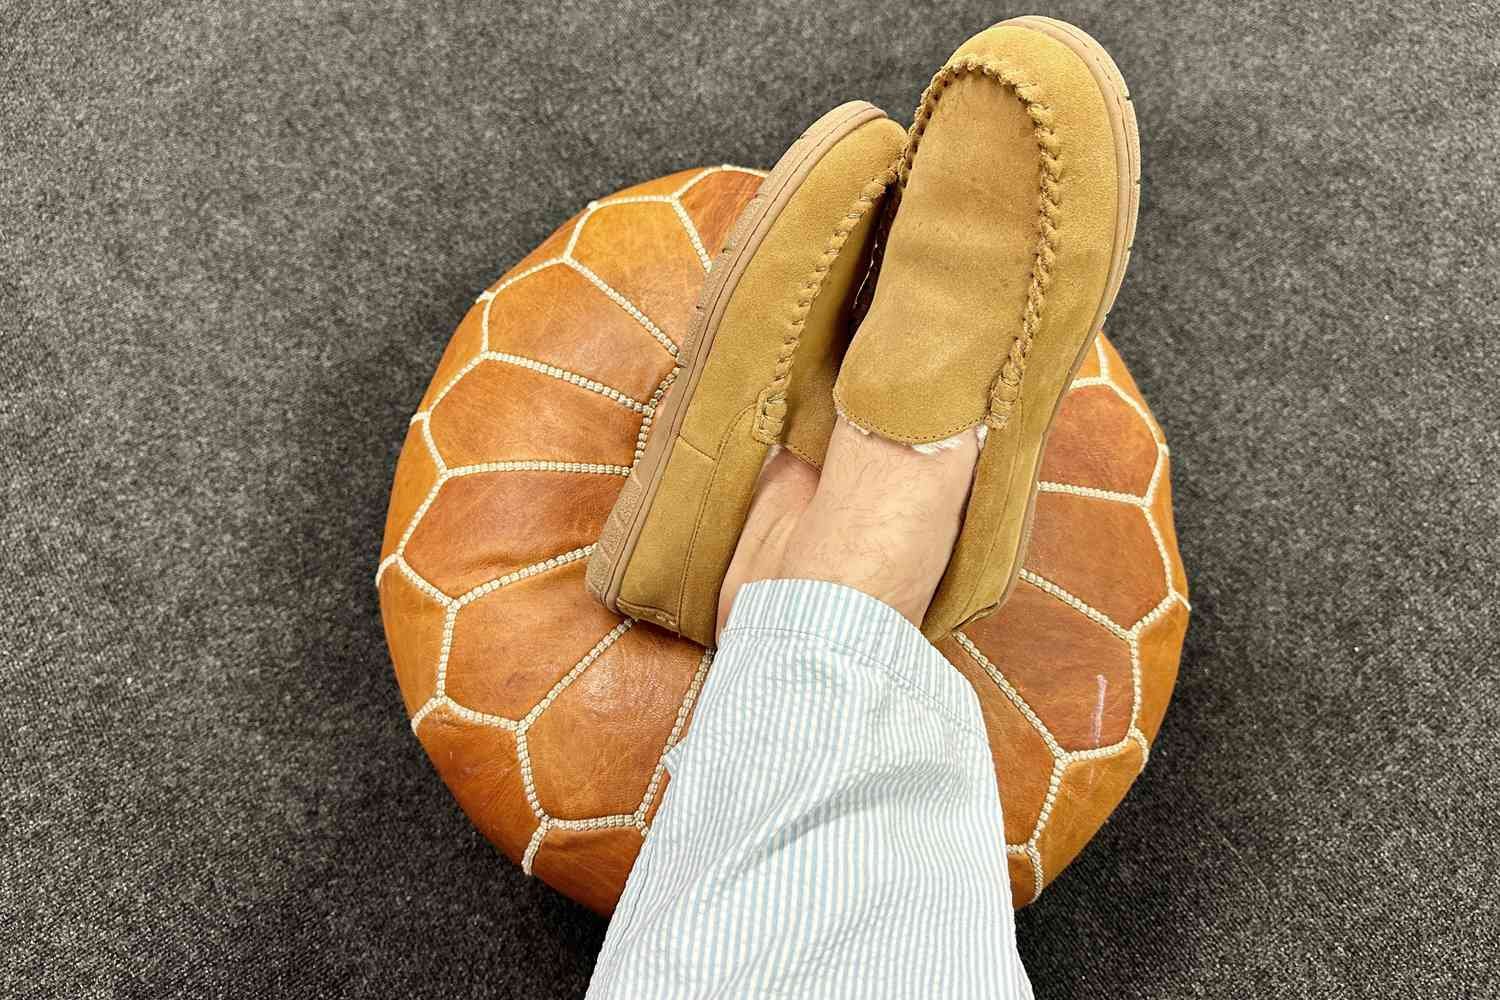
(832, 826)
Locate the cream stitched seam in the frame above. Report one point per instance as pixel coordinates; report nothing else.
(679, 211)
(567, 679)
(525, 572)
(1141, 411)
(1140, 738)
(1112, 496)
(541, 368)
(1134, 645)
(683, 710)
(450, 620)
(483, 468)
(1010, 693)
(650, 415)
(624, 303)
(427, 708)
(488, 297)
(523, 727)
(431, 443)
(538, 465)
(595, 822)
(1036, 870)
(1074, 602)
(478, 718)
(542, 827)
(421, 582)
(1034, 844)
(672, 203)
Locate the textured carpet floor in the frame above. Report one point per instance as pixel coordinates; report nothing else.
(234, 238)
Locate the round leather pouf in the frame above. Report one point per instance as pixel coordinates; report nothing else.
(548, 716)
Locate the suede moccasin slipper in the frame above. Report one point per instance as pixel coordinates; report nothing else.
(1018, 192)
(757, 371)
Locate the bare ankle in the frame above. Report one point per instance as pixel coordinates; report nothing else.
(785, 488)
(884, 518)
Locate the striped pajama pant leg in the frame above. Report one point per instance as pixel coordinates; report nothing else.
(832, 826)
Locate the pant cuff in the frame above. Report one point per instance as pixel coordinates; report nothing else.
(860, 625)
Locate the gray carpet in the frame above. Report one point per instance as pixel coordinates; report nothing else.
(234, 238)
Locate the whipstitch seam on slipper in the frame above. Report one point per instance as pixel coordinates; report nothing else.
(771, 409)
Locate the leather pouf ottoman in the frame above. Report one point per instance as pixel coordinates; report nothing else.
(548, 716)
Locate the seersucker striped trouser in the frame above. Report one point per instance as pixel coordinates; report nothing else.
(832, 826)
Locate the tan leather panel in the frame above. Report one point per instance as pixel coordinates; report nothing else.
(508, 531)
(465, 345)
(1161, 650)
(415, 474)
(499, 412)
(414, 633)
(1022, 881)
(588, 865)
(478, 764)
(1119, 460)
(642, 252)
(1088, 793)
(1161, 513)
(711, 204)
(552, 317)
(1090, 366)
(1023, 761)
(1086, 698)
(512, 645)
(594, 758)
(1076, 543)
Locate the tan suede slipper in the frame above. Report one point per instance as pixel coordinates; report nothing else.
(757, 370)
(1018, 192)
